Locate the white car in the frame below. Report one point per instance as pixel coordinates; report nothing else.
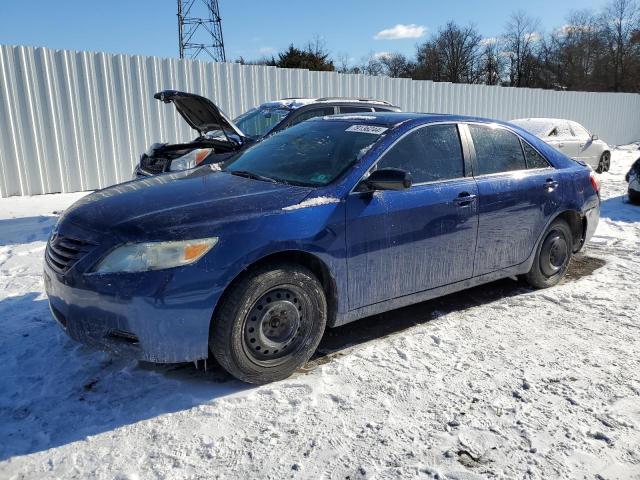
(570, 138)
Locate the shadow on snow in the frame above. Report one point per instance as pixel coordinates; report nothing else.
(55, 391)
(620, 209)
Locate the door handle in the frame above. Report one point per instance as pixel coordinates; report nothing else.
(560, 145)
(464, 199)
(551, 184)
(581, 145)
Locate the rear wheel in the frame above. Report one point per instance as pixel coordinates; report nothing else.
(605, 162)
(552, 256)
(269, 324)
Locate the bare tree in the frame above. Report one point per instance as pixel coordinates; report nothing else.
(396, 65)
(521, 35)
(620, 20)
(492, 62)
(452, 55)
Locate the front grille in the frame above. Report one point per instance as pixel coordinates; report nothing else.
(153, 165)
(63, 252)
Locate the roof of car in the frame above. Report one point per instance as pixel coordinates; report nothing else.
(294, 103)
(395, 118)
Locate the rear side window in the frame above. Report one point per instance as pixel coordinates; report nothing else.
(497, 150)
(430, 154)
(312, 113)
(349, 109)
(534, 159)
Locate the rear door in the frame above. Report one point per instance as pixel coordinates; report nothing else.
(518, 193)
(403, 242)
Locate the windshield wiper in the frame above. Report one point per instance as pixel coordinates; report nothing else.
(254, 176)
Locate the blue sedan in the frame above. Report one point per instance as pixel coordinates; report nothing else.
(332, 220)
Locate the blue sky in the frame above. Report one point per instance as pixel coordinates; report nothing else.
(254, 28)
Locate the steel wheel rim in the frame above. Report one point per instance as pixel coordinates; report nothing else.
(554, 253)
(277, 325)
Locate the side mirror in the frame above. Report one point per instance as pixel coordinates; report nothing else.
(595, 137)
(387, 179)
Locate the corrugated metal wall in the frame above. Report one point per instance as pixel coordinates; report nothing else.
(72, 121)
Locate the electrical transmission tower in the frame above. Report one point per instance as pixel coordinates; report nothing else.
(200, 29)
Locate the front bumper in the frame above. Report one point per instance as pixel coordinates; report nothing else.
(156, 317)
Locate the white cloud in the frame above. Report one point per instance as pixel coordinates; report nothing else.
(401, 31)
(379, 55)
(267, 50)
(488, 41)
(533, 36)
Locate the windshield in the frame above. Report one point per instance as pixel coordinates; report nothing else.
(257, 122)
(312, 153)
(540, 127)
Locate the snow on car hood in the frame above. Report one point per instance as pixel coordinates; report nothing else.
(181, 199)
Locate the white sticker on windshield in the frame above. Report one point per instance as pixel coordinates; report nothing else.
(373, 129)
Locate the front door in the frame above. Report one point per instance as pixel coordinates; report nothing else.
(403, 242)
(589, 151)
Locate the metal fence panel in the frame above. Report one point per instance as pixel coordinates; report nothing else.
(72, 121)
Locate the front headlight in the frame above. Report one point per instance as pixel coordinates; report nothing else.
(139, 257)
(190, 160)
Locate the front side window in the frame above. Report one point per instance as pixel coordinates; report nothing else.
(497, 150)
(312, 153)
(429, 154)
(563, 130)
(579, 131)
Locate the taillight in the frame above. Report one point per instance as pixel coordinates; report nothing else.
(594, 182)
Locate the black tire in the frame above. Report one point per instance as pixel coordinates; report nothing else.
(605, 162)
(553, 255)
(269, 324)
(634, 197)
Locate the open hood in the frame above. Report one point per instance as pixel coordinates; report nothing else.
(200, 113)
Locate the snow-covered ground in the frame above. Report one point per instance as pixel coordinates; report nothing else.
(496, 382)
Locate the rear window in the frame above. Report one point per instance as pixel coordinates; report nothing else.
(497, 150)
(312, 153)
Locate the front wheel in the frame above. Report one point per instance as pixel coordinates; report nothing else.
(269, 324)
(552, 256)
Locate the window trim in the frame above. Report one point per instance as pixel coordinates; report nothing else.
(474, 157)
(467, 172)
